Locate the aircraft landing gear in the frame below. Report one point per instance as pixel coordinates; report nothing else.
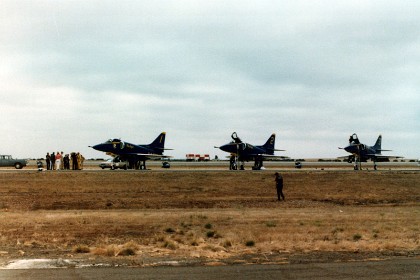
(258, 164)
(357, 163)
(233, 163)
(141, 165)
(137, 165)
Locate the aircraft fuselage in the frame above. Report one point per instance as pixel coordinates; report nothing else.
(246, 151)
(118, 147)
(366, 152)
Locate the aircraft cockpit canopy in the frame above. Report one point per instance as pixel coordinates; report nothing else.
(235, 138)
(354, 139)
(110, 141)
(116, 143)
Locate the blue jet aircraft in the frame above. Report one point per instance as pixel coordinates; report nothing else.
(241, 151)
(362, 153)
(135, 155)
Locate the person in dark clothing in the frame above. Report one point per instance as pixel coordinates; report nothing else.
(75, 166)
(279, 186)
(52, 161)
(66, 162)
(48, 161)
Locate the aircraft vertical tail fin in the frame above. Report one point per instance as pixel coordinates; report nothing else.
(269, 145)
(378, 144)
(159, 143)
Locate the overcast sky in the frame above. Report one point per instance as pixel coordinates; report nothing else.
(76, 73)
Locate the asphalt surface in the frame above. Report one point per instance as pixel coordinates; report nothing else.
(91, 165)
(390, 269)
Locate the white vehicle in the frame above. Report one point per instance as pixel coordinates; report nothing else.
(114, 163)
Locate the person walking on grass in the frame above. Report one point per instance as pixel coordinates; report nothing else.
(279, 186)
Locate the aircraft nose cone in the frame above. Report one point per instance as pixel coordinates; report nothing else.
(224, 148)
(96, 147)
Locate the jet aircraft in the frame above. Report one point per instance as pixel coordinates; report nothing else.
(241, 151)
(361, 152)
(135, 155)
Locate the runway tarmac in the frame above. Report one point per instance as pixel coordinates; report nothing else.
(373, 270)
(311, 165)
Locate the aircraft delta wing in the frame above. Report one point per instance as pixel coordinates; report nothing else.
(135, 154)
(241, 151)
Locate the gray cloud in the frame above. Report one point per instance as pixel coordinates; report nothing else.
(77, 73)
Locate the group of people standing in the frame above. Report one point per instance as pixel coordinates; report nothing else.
(59, 161)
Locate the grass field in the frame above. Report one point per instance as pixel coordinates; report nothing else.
(210, 216)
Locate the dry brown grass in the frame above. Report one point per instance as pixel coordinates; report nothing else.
(207, 214)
